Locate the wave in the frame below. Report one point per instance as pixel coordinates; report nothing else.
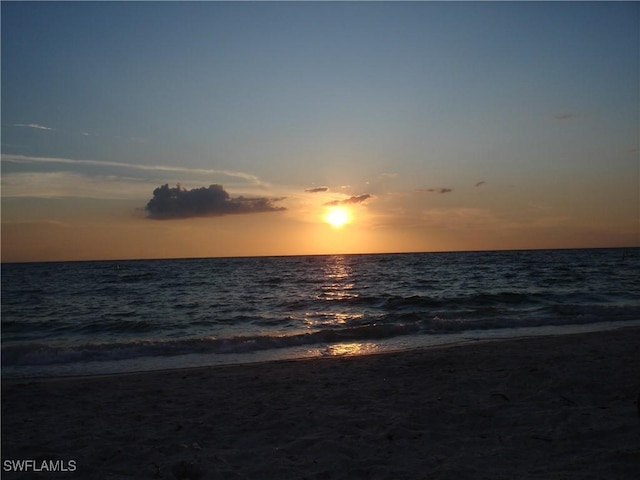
(426, 303)
(44, 354)
(395, 325)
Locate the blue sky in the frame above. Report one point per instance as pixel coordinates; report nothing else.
(512, 123)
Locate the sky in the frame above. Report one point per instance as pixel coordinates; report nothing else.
(204, 129)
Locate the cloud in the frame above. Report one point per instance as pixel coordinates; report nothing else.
(436, 190)
(480, 183)
(349, 201)
(178, 202)
(32, 125)
(71, 185)
(157, 168)
(317, 189)
(569, 116)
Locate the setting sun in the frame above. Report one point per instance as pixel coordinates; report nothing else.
(337, 216)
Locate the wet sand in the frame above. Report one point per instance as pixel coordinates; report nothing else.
(538, 408)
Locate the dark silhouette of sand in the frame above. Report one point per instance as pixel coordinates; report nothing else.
(545, 407)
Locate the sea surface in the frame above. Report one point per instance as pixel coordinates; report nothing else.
(84, 318)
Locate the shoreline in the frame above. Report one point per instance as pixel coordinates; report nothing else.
(421, 343)
(533, 407)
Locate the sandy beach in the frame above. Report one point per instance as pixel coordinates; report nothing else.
(549, 407)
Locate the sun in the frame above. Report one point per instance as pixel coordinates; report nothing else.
(337, 216)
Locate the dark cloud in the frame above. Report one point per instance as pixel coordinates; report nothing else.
(479, 184)
(436, 190)
(569, 116)
(178, 202)
(317, 189)
(350, 200)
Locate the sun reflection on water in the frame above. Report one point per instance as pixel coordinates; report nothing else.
(330, 319)
(350, 349)
(339, 282)
(339, 286)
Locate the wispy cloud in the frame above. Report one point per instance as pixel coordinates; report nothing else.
(436, 190)
(32, 125)
(158, 168)
(350, 201)
(316, 189)
(570, 116)
(480, 183)
(70, 185)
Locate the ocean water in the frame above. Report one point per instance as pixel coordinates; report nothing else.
(77, 318)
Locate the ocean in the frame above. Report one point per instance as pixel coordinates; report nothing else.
(88, 318)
